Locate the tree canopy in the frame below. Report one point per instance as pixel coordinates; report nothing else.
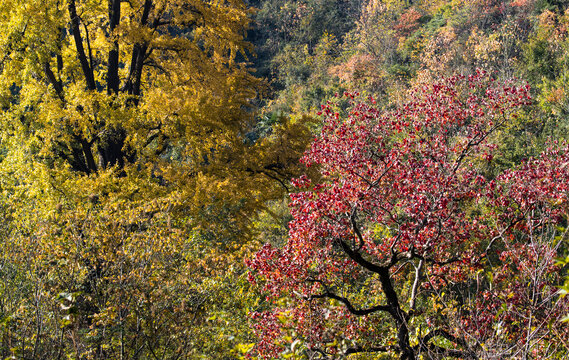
(410, 245)
(87, 78)
(147, 148)
(128, 177)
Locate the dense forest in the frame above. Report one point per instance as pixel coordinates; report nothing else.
(284, 179)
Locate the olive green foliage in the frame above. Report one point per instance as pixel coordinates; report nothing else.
(297, 42)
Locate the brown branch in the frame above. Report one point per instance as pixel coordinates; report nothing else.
(360, 349)
(398, 314)
(349, 305)
(87, 153)
(432, 261)
(132, 84)
(89, 50)
(359, 259)
(277, 179)
(87, 70)
(356, 228)
(53, 81)
(355, 255)
(475, 142)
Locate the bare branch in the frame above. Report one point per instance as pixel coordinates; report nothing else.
(440, 351)
(348, 304)
(360, 349)
(418, 271)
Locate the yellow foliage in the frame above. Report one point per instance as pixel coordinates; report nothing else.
(126, 176)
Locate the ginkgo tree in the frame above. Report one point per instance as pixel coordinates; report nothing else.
(414, 245)
(105, 83)
(128, 176)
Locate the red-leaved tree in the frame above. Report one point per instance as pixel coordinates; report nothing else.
(410, 245)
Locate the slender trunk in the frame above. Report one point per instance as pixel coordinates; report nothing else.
(132, 85)
(394, 308)
(113, 66)
(87, 71)
(138, 70)
(398, 315)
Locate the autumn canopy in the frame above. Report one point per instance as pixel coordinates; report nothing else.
(411, 244)
(284, 179)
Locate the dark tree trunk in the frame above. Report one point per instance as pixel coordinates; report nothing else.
(87, 71)
(113, 66)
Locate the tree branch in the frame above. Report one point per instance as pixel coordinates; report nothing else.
(87, 71)
(89, 51)
(360, 349)
(113, 59)
(395, 310)
(348, 304)
(358, 258)
(356, 228)
(448, 261)
(53, 81)
(440, 351)
(88, 154)
(132, 84)
(415, 287)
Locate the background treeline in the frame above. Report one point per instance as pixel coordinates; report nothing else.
(146, 148)
(311, 50)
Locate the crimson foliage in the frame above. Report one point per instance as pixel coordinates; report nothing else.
(409, 245)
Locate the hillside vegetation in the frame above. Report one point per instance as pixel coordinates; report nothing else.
(287, 179)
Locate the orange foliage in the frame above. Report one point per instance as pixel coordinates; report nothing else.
(357, 69)
(408, 22)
